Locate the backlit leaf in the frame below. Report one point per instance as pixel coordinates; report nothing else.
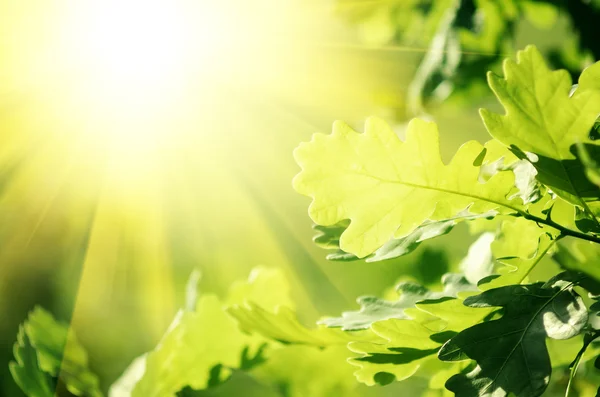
(282, 325)
(388, 188)
(47, 338)
(579, 256)
(195, 343)
(329, 237)
(374, 309)
(301, 371)
(543, 122)
(26, 370)
(411, 344)
(203, 345)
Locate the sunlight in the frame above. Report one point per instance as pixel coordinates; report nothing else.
(133, 44)
(142, 134)
(134, 62)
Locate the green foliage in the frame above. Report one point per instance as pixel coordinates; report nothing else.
(283, 326)
(372, 190)
(174, 363)
(48, 354)
(298, 371)
(26, 370)
(511, 352)
(208, 332)
(464, 38)
(580, 256)
(492, 331)
(388, 172)
(329, 238)
(544, 122)
(408, 344)
(254, 330)
(374, 309)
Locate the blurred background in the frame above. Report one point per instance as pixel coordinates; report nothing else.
(140, 140)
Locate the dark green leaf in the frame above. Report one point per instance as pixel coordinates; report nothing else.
(58, 353)
(26, 370)
(511, 352)
(580, 256)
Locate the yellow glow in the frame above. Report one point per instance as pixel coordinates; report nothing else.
(133, 44)
(142, 138)
(132, 59)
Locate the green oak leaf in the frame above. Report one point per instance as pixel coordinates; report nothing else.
(266, 287)
(26, 370)
(528, 187)
(590, 78)
(511, 351)
(374, 309)
(479, 262)
(203, 345)
(543, 122)
(592, 167)
(388, 188)
(408, 345)
(520, 246)
(579, 256)
(329, 237)
(195, 343)
(411, 344)
(58, 353)
(301, 371)
(282, 325)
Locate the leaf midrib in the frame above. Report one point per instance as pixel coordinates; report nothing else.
(555, 145)
(520, 341)
(439, 189)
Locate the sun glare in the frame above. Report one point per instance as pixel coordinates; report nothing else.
(141, 136)
(134, 43)
(134, 62)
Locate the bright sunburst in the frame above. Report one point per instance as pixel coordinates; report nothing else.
(143, 138)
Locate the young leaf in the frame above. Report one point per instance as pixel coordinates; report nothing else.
(579, 256)
(543, 119)
(374, 309)
(202, 346)
(588, 338)
(282, 325)
(387, 188)
(528, 187)
(195, 343)
(302, 371)
(408, 344)
(266, 287)
(47, 338)
(521, 245)
(26, 370)
(479, 262)
(329, 237)
(511, 352)
(592, 168)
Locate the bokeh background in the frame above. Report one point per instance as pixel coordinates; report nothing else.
(142, 140)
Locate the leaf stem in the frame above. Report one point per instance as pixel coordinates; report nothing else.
(589, 338)
(565, 231)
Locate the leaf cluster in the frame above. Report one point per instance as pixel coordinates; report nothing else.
(377, 197)
(464, 38)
